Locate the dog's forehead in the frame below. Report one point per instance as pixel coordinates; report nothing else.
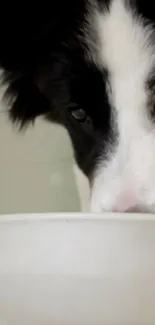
(125, 48)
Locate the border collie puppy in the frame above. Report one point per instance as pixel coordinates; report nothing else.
(90, 66)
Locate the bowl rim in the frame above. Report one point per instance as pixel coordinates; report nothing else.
(76, 217)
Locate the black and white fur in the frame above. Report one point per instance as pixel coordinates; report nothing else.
(90, 66)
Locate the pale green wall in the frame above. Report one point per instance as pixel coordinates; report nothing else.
(36, 170)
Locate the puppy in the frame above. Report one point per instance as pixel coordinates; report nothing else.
(90, 66)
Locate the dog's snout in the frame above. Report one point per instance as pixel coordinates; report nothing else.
(127, 202)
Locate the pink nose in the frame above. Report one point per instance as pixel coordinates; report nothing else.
(126, 202)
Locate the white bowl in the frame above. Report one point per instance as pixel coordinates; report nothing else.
(77, 270)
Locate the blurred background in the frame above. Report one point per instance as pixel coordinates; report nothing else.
(37, 170)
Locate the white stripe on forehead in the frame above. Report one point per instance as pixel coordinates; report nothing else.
(127, 53)
(126, 49)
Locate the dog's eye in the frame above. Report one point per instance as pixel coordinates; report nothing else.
(79, 115)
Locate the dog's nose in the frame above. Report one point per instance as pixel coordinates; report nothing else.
(127, 202)
(134, 209)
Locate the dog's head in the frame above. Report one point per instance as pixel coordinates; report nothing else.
(90, 66)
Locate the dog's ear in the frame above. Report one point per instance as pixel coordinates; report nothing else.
(25, 101)
(41, 94)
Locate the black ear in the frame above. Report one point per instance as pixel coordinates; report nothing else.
(41, 93)
(26, 102)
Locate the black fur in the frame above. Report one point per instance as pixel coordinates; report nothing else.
(43, 57)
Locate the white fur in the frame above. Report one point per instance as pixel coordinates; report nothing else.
(127, 179)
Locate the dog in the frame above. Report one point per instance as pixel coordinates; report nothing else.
(89, 65)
